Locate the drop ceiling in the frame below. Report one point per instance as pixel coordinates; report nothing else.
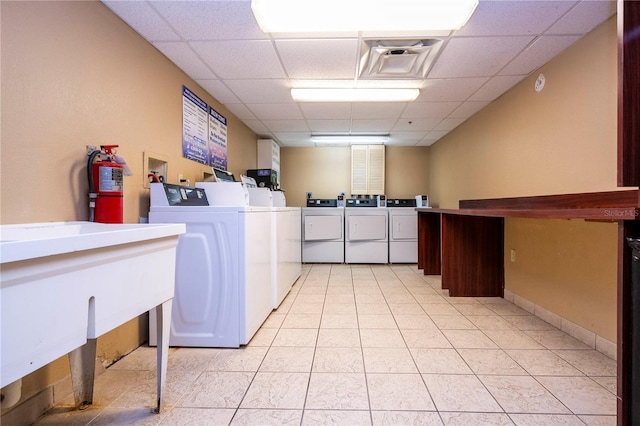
(220, 46)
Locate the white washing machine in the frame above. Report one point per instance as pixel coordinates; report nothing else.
(223, 263)
(322, 231)
(366, 231)
(286, 265)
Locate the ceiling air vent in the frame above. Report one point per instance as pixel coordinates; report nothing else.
(398, 59)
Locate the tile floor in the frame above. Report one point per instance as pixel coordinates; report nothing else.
(363, 345)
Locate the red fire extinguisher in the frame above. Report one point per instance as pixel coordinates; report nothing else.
(105, 186)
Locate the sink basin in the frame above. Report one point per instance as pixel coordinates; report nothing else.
(63, 284)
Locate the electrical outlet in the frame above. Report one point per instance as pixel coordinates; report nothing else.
(180, 177)
(91, 148)
(513, 255)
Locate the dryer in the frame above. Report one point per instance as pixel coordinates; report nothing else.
(223, 264)
(322, 231)
(403, 230)
(366, 231)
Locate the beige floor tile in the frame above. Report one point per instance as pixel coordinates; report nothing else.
(338, 338)
(460, 393)
(475, 419)
(208, 416)
(142, 416)
(506, 309)
(599, 420)
(546, 420)
(336, 417)
(376, 321)
(406, 309)
(398, 392)
(243, 359)
(381, 338)
(288, 359)
(609, 383)
(276, 391)
(310, 298)
(556, 339)
(581, 394)
(469, 339)
(305, 337)
(144, 393)
(340, 298)
(425, 339)
(452, 322)
(430, 298)
(522, 394)
(68, 416)
(251, 417)
(590, 362)
(491, 361)
(388, 360)
(490, 322)
(337, 391)
(439, 361)
(337, 360)
(274, 320)
(373, 309)
(395, 418)
(369, 297)
(339, 321)
(439, 309)
(301, 321)
(475, 309)
(263, 337)
(512, 339)
(415, 322)
(335, 308)
(543, 363)
(218, 390)
(400, 298)
(529, 323)
(306, 308)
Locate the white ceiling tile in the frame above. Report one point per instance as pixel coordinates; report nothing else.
(219, 91)
(377, 109)
(210, 20)
(261, 91)
(454, 89)
(449, 124)
(417, 124)
(256, 126)
(313, 59)
(513, 17)
(496, 87)
(240, 59)
(467, 109)
(326, 111)
(286, 125)
(406, 138)
(276, 111)
(185, 59)
(241, 111)
(142, 17)
(294, 138)
(537, 54)
(318, 126)
(436, 134)
(587, 15)
(372, 125)
(429, 109)
(486, 54)
(427, 141)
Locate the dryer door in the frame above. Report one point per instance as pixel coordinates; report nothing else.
(367, 227)
(318, 228)
(404, 227)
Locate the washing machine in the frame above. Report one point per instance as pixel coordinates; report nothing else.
(366, 230)
(223, 289)
(323, 231)
(286, 262)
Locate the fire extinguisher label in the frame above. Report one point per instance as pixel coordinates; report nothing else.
(110, 179)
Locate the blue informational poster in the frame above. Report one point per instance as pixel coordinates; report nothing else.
(217, 140)
(194, 127)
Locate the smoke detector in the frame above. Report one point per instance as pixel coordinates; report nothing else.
(398, 59)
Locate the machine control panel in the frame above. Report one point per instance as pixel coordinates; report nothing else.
(322, 202)
(401, 202)
(185, 196)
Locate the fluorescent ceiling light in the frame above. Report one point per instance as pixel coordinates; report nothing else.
(304, 16)
(350, 139)
(354, 95)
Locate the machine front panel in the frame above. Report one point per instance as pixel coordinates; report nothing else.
(366, 227)
(324, 227)
(404, 227)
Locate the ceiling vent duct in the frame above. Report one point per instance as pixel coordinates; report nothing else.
(398, 59)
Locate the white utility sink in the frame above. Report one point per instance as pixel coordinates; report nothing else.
(66, 283)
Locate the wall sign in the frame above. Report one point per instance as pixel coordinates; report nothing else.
(194, 127)
(217, 140)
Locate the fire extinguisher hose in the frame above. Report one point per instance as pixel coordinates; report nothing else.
(92, 190)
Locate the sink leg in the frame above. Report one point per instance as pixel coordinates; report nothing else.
(83, 366)
(163, 327)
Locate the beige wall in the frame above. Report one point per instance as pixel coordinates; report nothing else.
(560, 140)
(74, 74)
(326, 171)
